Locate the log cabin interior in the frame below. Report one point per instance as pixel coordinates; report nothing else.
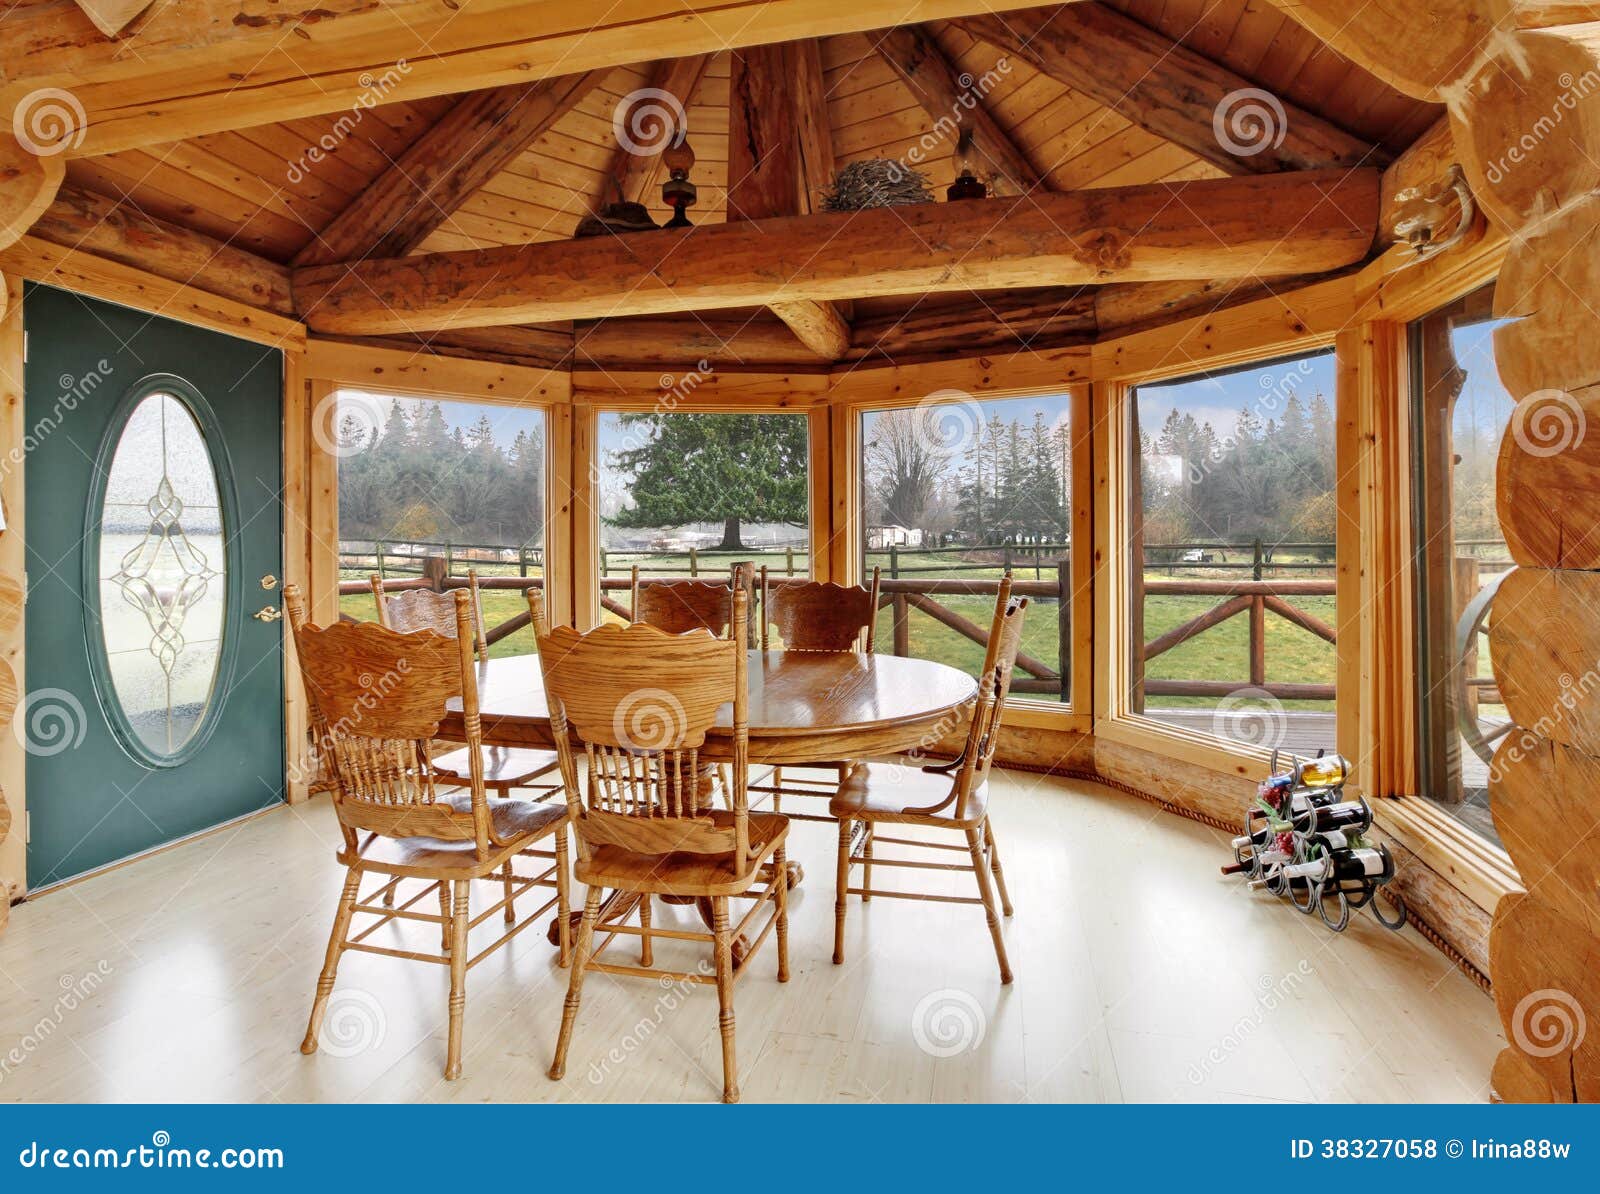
(682, 476)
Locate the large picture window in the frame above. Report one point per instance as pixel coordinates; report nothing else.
(429, 489)
(954, 492)
(1460, 411)
(1232, 517)
(690, 495)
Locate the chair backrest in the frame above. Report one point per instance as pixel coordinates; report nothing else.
(819, 615)
(377, 697)
(637, 703)
(994, 686)
(679, 606)
(411, 610)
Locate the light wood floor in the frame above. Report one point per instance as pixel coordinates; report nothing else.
(1142, 975)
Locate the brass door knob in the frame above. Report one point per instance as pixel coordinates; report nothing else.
(270, 613)
(269, 582)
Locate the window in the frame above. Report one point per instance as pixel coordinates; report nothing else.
(1460, 412)
(691, 495)
(1231, 546)
(954, 492)
(430, 489)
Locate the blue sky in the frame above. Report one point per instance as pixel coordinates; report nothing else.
(1219, 399)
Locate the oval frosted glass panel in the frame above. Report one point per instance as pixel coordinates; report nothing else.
(163, 590)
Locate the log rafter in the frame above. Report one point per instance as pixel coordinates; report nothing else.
(478, 137)
(632, 175)
(1169, 90)
(957, 110)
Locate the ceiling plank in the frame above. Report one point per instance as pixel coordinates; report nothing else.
(650, 120)
(1169, 90)
(766, 166)
(471, 143)
(957, 111)
(208, 65)
(1010, 322)
(1264, 225)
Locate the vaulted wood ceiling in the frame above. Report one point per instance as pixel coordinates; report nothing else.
(273, 189)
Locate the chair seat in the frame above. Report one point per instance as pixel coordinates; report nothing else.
(684, 873)
(503, 766)
(905, 795)
(518, 823)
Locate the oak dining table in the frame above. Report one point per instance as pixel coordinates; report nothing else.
(804, 707)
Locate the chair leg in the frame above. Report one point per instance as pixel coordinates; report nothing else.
(446, 916)
(994, 865)
(330, 966)
(511, 906)
(458, 977)
(724, 957)
(388, 893)
(866, 865)
(580, 962)
(980, 867)
(646, 951)
(563, 896)
(777, 784)
(840, 891)
(780, 876)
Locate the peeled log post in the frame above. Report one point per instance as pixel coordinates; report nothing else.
(1542, 795)
(1544, 642)
(1544, 967)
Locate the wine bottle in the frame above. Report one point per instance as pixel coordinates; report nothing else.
(1347, 815)
(1326, 771)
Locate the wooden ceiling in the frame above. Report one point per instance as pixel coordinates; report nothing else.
(272, 189)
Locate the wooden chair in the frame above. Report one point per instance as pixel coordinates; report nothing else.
(504, 767)
(376, 700)
(636, 703)
(953, 797)
(816, 616)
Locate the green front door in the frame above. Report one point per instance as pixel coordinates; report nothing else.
(154, 471)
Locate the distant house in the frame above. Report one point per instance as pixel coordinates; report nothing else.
(882, 538)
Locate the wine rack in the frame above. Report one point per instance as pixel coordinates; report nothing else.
(1304, 841)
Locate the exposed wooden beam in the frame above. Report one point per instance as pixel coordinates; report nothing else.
(1264, 225)
(208, 65)
(1422, 166)
(28, 184)
(766, 170)
(988, 322)
(957, 111)
(648, 121)
(471, 143)
(1169, 90)
(678, 341)
(89, 222)
(813, 125)
(817, 325)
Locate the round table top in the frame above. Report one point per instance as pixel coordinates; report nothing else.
(792, 693)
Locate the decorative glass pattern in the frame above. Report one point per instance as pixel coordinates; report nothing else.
(163, 590)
